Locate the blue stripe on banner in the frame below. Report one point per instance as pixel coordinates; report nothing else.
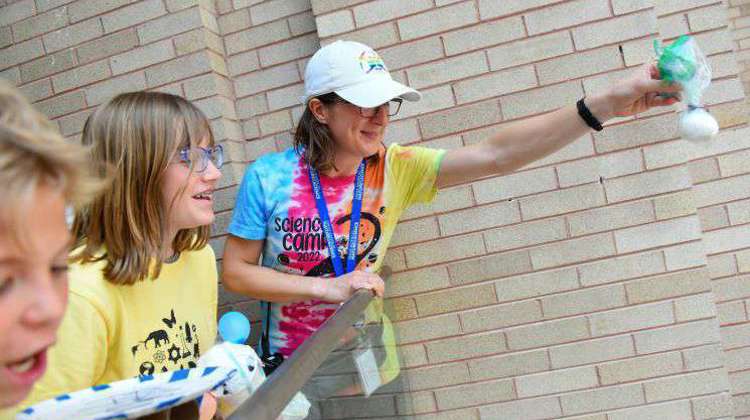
(146, 378)
(100, 387)
(167, 403)
(28, 411)
(208, 370)
(62, 397)
(179, 375)
(116, 416)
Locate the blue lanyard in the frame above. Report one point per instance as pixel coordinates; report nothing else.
(320, 203)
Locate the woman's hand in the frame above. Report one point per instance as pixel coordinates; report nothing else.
(341, 288)
(638, 93)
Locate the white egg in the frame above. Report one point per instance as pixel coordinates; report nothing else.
(698, 125)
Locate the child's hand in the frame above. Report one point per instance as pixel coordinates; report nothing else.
(208, 408)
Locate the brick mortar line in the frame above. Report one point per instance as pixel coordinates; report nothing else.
(557, 216)
(690, 9)
(564, 317)
(622, 282)
(270, 44)
(645, 404)
(547, 346)
(634, 356)
(557, 268)
(556, 293)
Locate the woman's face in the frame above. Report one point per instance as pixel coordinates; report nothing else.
(354, 134)
(33, 292)
(192, 207)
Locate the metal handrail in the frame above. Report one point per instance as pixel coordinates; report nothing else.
(270, 399)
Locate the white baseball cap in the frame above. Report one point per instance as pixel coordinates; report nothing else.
(356, 73)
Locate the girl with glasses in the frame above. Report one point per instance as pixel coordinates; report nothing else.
(143, 290)
(328, 206)
(42, 175)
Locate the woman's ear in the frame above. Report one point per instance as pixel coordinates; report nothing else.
(319, 110)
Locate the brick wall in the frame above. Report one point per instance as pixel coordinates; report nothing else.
(607, 281)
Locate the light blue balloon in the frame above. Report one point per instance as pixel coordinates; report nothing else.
(234, 327)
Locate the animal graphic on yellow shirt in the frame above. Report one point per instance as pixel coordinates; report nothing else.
(173, 346)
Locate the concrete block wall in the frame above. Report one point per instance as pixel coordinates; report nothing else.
(603, 282)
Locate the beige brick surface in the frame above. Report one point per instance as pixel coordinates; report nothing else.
(456, 299)
(562, 201)
(437, 20)
(658, 234)
(525, 234)
(547, 333)
(591, 351)
(602, 399)
(39, 24)
(16, 11)
(501, 316)
(473, 394)
(459, 119)
(375, 12)
(21, 52)
(640, 368)
(266, 79)
(466, 346)
(526, 50)
(515, 364)
(514, 185)
(142, 57)
(130, 15)
(169, 25)
(632, 318)
(536, 284)
(38, 90)
(81, 76)
(606, 166)
(449, 69)
(573, 251)
(615, 30)
(686, 385)
(675, 410)
(535, 408)
(274, 9)
(578, 65)
(583, 301)
(675, 337)
(483, 35)
(437, 376)
(540, 100)
(713, 406)
(496, 83)
(84, 9)
(564, 15)
(445, 249)
(647, 184)
(621, 268)
(610, 217)
(427, 328)
(556, 381)
(104, 90)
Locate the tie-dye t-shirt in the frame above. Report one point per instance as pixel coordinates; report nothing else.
(275, 204)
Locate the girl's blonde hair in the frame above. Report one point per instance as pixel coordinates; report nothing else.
(33, 153)
(138, 134)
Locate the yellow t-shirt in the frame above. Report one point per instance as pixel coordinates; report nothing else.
(113, 332)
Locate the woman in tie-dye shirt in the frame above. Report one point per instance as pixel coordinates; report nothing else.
(349, 97)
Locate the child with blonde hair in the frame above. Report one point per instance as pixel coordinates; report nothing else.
(42, 175)
(143, 292)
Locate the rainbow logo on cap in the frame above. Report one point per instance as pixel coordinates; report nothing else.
(370, 60)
